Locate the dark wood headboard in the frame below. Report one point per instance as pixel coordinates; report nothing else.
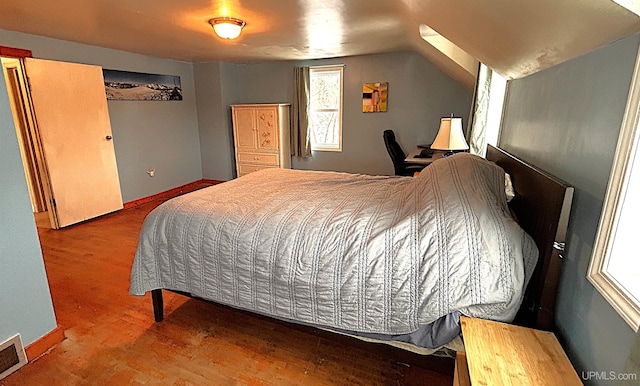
(542, 205)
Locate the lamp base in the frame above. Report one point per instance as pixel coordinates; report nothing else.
(447, 153)
(451, 152)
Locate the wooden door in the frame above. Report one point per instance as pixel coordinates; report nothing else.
(267, 125)
(244, 127)
(72, 118)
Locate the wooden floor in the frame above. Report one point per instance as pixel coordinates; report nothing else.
(111, 338)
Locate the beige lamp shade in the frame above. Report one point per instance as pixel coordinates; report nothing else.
(450, 136)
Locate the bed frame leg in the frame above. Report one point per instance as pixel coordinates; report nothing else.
(158, 305)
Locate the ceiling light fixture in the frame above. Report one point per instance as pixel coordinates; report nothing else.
(227, 27)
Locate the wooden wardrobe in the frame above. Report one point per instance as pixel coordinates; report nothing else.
(261, 137)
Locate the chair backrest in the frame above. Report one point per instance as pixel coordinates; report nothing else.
(395, 151)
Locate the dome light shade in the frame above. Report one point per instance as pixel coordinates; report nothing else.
(227, 27)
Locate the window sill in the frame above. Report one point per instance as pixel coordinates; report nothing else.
(337, 150)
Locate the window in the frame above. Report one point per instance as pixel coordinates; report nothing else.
(615, 267)
(325, 108)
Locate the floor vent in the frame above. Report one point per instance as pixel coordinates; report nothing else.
(12, 356)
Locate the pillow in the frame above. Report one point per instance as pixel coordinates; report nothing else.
(508, 187)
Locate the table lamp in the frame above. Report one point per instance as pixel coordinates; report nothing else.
(450, 137)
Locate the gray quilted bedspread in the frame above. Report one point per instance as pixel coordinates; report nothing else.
(363, 253)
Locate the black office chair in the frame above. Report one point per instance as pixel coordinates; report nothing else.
(397, 156)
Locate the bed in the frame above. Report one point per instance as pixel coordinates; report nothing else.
(388, 259)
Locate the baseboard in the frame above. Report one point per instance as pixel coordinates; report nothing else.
(170, 193)
(43, 344)
(208, 181)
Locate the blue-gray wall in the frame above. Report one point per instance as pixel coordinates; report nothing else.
(419, 95)
(566, 120)
(216, 139)
(162, 135)
(25, 301)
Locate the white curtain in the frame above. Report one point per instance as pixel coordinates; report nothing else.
(300, 139)
(491, 90)
(477, 138)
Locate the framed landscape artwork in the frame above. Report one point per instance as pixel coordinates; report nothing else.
(136, 86)
(374, 97)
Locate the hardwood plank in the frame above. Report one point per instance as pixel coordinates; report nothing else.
(111, 337)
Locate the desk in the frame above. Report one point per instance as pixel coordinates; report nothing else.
(412, 160)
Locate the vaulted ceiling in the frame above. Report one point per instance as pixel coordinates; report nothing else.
(516, 38)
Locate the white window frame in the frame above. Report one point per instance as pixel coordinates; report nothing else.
(625, 300)
(332, 68)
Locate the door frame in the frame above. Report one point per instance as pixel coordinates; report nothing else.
(34, 145)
